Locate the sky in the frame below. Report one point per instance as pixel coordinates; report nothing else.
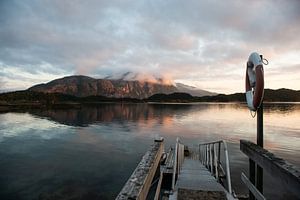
(205, 44)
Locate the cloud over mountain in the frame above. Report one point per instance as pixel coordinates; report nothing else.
(83, 86)
(202, 43)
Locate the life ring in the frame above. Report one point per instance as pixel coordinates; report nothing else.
(254, 81)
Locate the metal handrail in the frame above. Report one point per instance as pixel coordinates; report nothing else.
(178, 160)
(211, 159)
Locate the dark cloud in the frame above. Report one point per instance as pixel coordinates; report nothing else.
(193, 40)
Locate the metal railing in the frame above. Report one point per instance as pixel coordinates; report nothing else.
(210, 157)
(178, 160)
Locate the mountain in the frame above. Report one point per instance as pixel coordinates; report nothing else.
(280, 95)
(182, 88)
(83, 86)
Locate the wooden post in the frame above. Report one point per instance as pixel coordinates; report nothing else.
(252, 176)
(260, 142)
(284, 173)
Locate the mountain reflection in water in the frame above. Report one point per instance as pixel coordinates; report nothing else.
(89, 152)
(113, 112)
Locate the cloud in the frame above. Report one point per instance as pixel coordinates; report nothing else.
(201, 42)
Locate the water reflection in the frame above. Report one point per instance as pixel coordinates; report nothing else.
(142, 112)
(88, 153)
(111, 112)
(281, 107)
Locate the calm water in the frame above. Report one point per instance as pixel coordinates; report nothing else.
(89, 153)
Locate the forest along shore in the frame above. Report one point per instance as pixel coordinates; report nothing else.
(31, 99)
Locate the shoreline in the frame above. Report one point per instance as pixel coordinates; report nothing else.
(9, 107)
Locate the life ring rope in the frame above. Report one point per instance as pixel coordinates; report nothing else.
(265, 61)
(253, 113)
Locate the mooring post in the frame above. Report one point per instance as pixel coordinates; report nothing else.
(260, 142)
(252, 177)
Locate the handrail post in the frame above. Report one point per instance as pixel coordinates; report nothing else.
(216, 162)
(200, 156)
(207, 160)
(211, 162)
(175, 164)
(227, 168)
(205, 154)
(219, 153)
(204, 150)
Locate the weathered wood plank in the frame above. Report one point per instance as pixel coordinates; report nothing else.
(157, 193)
(184, 194)
(252, 188)
(139, 183)
(277, 167)
(195, 176)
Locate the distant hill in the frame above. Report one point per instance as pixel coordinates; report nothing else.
(30, 98)
(194, 91)
(83, 86)
(27, 96)
(280, 95)
(236, 97)
(174, 97)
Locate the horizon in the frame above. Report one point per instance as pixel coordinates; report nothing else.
(202, 44)
(174, 83)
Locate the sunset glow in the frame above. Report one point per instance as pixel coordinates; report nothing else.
(200, 43)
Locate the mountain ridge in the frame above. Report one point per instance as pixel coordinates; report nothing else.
(83, 86)
(27, 97)
(270, 95)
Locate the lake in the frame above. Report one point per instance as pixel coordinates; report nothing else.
(90, 152)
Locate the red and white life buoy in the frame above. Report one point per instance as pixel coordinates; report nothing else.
(254, 81)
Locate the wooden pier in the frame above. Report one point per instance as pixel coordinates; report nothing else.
(182, 173)
(196, 182)
(180, 176)
(139, 183)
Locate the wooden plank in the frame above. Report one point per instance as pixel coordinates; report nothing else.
(195, 176)
(252, 188)
(184, 194)
(157, 193)
(280, 169)
(170, 159)
(139, 183)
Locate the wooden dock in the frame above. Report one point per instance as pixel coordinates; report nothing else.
(181, 176)
(199, 177)
(181, 173)
(196, 182)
